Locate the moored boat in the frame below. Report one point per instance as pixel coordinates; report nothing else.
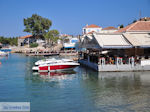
(3, 53)
(46, 61)
(54, 65)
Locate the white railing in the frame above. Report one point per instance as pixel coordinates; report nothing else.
(117, 61)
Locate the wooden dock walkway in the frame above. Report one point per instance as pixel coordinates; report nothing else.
(42, 54)
(61, 53)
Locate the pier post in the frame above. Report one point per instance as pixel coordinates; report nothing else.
(132, 61)
(88, 58)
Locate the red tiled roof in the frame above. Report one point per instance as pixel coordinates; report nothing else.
(123, 29)
(110, 28)
(65, 35)
(27, 36)
(137, 26)
(92, 26)
(91, 32)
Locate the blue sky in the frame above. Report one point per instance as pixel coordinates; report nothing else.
(69, 16)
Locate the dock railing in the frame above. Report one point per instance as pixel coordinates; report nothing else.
(116, 61)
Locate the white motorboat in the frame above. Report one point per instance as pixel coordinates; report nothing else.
(54, 65)
(46, 61)
(3, 53)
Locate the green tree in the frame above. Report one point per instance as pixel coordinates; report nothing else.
(13, 41)
(4, 40)
(32, 45)
(10, 41)
(52, 36)
(134, 21)
(37, 25)
(121, 26)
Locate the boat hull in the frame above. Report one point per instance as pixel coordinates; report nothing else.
(54, 65)
(56, 68)
(3, 54)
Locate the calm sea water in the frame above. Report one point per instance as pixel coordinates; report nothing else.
(81, 90)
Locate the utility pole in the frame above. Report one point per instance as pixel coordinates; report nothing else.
(28, 42)
(140, 15)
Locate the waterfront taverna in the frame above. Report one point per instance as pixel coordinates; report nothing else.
(127, 49)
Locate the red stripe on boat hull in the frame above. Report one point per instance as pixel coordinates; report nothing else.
(52, 73)
(56, 67)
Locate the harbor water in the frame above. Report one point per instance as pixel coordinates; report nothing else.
(79, 90)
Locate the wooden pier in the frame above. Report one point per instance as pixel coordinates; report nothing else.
(42, 53)
(68, 53)
(53, 53)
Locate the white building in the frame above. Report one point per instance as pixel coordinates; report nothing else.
(91, 28)
(70, 42)
(129, 47)
(30, 39)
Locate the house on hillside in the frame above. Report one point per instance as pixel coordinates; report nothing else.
(24, 40)
(91, 28)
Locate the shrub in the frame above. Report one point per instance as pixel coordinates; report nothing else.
(33, 45)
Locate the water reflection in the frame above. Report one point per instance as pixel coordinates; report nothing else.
(118, 91)
(88, 90)
(61, 75)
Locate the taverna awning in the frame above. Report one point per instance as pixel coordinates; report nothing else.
(89, 42)
(138, 40)
(112, 41)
